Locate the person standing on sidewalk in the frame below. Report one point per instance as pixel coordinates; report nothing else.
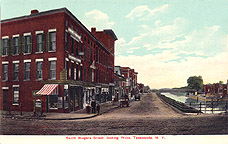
(93, 105)
(98, 108)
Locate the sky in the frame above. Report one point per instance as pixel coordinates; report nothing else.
(165, 41)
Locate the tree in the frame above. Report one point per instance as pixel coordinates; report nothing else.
(195, 82)
(221, 82)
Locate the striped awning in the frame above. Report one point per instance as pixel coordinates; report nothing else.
(47, 89)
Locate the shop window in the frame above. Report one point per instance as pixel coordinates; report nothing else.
(39, 70)
(66, 97)
(16, 95)
(16, 71)
(5, 72)
(53, 101)
(27, 71)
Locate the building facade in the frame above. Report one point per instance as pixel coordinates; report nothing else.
(53, 58)
(131, 81)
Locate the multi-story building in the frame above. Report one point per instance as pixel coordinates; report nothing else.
(53, 58)
(131, 80)
(215, 90)
(119, 81)
(141, 87)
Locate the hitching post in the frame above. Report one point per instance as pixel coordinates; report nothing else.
(212, 106)
(21, 108)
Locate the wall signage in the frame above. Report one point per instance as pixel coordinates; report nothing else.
(74, 35)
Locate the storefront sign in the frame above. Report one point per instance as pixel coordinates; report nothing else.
(63, 75)
(74, 58)
(92, 66)
(74, 35)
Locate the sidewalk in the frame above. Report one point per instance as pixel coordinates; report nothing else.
(80, 114)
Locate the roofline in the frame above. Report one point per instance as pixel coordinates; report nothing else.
(54, 11)
(111, 33)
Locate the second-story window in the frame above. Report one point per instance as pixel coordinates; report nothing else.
(52, 46)
(16, 71)
(28, 44)
(27, 71)
(77, 45)
(72, 45)
(39, 42)
(5, 72)
(5, 47)
(88, 53)
(66, 41)
(15, 48)
(39, 70)
(52, 69)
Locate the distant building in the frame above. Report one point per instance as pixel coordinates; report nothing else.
(141, 87)
(119, 81)
(131, 80)
(216, 90)
(51, 56)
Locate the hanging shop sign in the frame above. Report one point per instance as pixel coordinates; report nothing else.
(74, 58)
(74, 35)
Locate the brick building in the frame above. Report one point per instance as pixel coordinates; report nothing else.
(131, 80)
(216, 90)
(141, 87)
(53, 58)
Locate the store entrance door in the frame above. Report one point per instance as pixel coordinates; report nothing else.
(5, 99)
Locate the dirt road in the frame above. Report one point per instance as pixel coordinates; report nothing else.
(148, 116)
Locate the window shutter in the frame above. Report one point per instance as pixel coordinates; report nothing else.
(30, 44)
(42, 42)
(1, 48)
(23, 45)
(8, 48)
(48, 43)
(19, 40)
(11, 46)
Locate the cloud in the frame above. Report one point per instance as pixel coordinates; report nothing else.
(178, 37)
(145, 13)
(98, 19)
(155, 72)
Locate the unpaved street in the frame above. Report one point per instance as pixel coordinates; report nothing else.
(148, 116)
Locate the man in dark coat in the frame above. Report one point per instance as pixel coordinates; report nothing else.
(98, 108)
(93, 105)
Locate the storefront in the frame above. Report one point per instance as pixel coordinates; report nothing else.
(53, 100)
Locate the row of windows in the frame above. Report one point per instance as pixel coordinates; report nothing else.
(23, 44)
(39, 71)
(89, 53)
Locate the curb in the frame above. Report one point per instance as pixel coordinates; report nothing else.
(76, 118)
(82, 117)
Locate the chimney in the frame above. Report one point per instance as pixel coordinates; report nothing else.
(93, 29)
(35, 11)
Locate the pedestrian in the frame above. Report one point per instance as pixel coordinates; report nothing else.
(98, 108)
(93, 105)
